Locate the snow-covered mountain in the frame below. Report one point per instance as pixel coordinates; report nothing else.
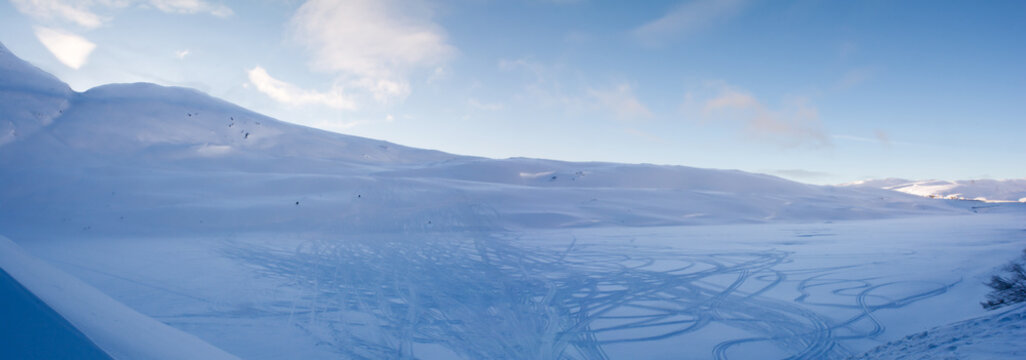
(246, 236)
(984, 189)
(136, 151)
(29, 98)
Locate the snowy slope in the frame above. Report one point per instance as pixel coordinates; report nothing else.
(29, 97)
(31, 329)
(984, 189)
(139, 152)
(272, 240)
(993, 336)
(116, 329)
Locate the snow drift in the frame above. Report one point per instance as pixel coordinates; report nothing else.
(116, 329)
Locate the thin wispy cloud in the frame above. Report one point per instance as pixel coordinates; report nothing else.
(70, 49)
(648, 136)
(290, 94)
(181, 54)
(533, 67)
(854, 77)
(75, 12)
(793, 123)
(879, 137)
(90, 14)
(621, 101)
(371, 45)
(486, 106)
(687, 18)
(191, 7)
(544, 87)
(854, 137)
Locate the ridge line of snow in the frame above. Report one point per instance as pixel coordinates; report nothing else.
(118, 330)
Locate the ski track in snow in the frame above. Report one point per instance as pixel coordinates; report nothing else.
(485, 296)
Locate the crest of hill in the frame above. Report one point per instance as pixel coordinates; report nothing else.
(30, 98)
(172, 158)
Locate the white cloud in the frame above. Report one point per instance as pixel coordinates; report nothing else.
(87, 13)
(181, 54)
(794, 123)
(854, 77)
(621, 101)
(439, 74)
(486, 106)
(72, 50)
(544, 87)
(731, 99)
(539, 70)
(76, 12)
(191, 7)
(371, 44)
(290, 94)
(687, 18)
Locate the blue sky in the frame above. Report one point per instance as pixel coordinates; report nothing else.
(815, 91)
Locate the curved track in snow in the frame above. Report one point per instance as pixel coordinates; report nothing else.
(481, 296)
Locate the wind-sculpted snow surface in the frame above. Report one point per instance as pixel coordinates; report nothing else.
(482, 296)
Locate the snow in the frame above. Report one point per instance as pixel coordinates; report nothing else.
(29, 97)
(168, 208)
(115, 328)
(825, 290)
(30, 329)
(986, 190)
(993, 336)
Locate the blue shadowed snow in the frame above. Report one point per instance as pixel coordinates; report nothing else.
(29, 329)
(487, 297)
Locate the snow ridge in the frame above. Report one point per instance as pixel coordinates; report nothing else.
(118, 330)
(987, 190)
(30, 98)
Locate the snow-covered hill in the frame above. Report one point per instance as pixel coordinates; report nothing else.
(984, 189)
(993, 336)
(136, 152)
(29, 98)
(270, 240)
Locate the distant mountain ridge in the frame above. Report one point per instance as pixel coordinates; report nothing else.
(989, 190)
